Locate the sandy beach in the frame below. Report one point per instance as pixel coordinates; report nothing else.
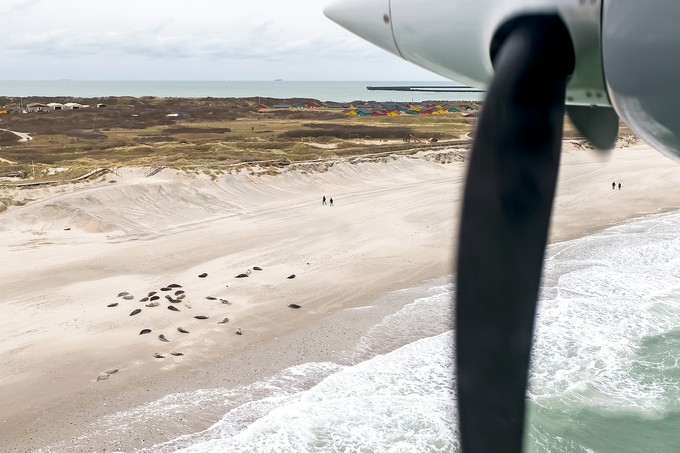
(70, 250)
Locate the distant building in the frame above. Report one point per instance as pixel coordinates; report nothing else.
(37, 107)
(56, 106)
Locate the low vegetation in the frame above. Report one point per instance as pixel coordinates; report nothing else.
(204, 133)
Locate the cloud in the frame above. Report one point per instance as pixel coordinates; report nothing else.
(8, 7)
(179, 36)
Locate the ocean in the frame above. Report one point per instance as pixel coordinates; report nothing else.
(324, 91)
(605, 373)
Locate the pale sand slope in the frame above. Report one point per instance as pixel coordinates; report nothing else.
(392, 227)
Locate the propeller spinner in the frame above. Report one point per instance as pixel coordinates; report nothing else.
(537, 58)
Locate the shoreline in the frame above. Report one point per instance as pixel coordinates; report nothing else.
(582, 207)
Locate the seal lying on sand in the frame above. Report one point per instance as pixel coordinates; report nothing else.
(143, 299)
(239, 332)
(201, 317)
(129, 297)
(162, 338)
(124, 293)
(174, 285)
(152, 304)
(294, 306)
(224, 321)
(145, 331)
(211, 298)
(113, 304)
(203, 275)
(136, 311)
(173, 308)
(241, 276)
(158, 356)
(291, 276)
(182, 329)
(155, 297)
(257, 268)
(176, 354)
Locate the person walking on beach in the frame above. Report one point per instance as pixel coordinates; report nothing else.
(331, 201)
(613, 185)
(323, 200)
(619, 186)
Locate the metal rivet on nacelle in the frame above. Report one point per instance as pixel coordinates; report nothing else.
(386, 19)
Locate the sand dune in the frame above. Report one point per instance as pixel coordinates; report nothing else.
(72, 250)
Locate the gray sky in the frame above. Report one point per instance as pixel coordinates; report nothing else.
(186, 40)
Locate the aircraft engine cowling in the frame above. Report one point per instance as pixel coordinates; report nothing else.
(454, 38)
(640, 44)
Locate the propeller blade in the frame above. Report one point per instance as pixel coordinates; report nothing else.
(600, 125)
(504, 225)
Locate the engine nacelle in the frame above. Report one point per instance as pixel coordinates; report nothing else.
(453, 37)
(640, 42)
